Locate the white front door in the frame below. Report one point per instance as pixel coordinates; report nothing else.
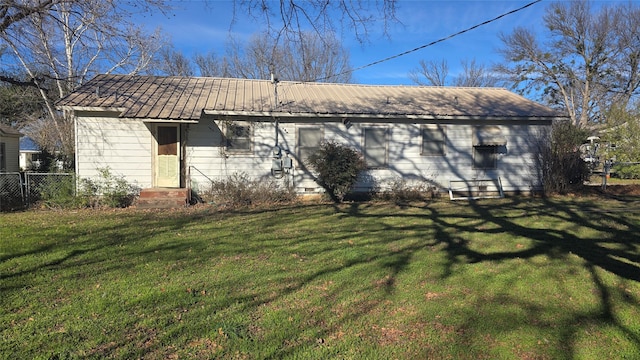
(167, 159)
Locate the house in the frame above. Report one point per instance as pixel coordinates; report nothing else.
(33, 158)
(9, 149)
(30, 154)
(181, 132)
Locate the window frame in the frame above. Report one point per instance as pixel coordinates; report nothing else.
(379, 164)
(229, 138)
(442, 143)
(493, 156)
(301, 149)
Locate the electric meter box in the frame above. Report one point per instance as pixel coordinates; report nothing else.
(276, 165)
(287, 163)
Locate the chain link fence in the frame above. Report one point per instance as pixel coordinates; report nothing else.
(11, 191)
(21, 190)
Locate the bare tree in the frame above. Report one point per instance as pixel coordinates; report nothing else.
(585, 61)
(288, 18)
(60, 44)
(14, 11)
(174, 63)
(210, 65)
(626, 80)
(433, 73)
(312, 58)
(430, 73)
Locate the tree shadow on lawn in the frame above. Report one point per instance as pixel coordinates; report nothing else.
(94, 244)
(620, 256)
(616, 252)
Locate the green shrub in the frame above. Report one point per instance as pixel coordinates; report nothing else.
(239, 191)
(109, 190)
(627, 171)
(336, 168)
(59, 191)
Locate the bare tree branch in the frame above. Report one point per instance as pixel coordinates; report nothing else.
(12, 11)
(61, 43)
(433, 73)
(295, 16)
(308, 58)
(586, 61)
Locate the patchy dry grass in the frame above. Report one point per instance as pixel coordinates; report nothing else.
(513, 279)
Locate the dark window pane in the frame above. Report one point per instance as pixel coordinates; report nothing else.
(375, 147)
(308, 142)
(167, 140)
(374, 138)
(484, 157)
(238, 137)
(3, 156)
(432, 141)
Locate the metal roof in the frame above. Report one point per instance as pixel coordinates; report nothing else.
(7, 130)
(187, 98)
(28, 144)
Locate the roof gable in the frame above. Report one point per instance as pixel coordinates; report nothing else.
(187, 98)
(6, 130)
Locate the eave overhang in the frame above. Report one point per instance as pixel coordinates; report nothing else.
(364, 117)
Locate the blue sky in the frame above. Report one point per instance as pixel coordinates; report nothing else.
(199, 26)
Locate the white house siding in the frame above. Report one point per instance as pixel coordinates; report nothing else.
(122, 145)
(208, 159)
(517, 168)
(12, 151)
(514, 166)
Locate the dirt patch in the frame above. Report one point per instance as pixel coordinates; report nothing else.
(613, 190)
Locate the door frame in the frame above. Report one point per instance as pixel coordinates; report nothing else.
(155, 162)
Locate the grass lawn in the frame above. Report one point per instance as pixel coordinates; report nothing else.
(515, 278)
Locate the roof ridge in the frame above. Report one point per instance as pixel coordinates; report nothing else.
(312, 83)
(399, 85)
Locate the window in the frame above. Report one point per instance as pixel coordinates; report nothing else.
(167, 140)
(3, 156)
(309, 139)
(238, 137)
(432, 140)
(484, 157)
(375, 147)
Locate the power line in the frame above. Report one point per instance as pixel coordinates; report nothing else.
(432, 43)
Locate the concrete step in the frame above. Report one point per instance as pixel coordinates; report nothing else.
(163, 198)
(160, 203)
(164, 193)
